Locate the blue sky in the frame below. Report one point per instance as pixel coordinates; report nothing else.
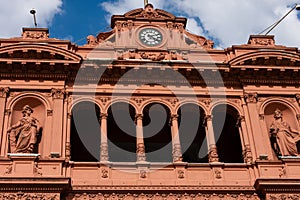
(227, 22)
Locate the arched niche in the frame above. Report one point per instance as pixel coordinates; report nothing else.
(287, 115)
(227, 136)
(85, 132)
(157, 133)
(121, 132)
(39, 112)
(192, 133)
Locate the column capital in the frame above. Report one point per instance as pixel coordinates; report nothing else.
(103, 115)
(251, 97)
(139, 116)
(174, 117)
(58, 93)
(4, 92)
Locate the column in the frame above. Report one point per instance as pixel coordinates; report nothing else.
(212, 148)
(177, 155)
(68, 138)
(261, 140)
(104, 146)
(245, 140)
(4, 92)
(57, 120)
(140, 146)
(65, 126)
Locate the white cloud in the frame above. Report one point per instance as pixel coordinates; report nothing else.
(229, 21)
(14, 14)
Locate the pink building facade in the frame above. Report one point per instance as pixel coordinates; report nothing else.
(148, 110)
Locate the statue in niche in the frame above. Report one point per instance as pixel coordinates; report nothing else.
(23, 134)
(283, 138)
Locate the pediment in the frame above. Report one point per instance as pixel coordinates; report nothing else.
(26, 52)
(149, 12)
(267, 58)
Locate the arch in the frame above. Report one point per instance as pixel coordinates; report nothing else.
(121, 132)
(120, 100)
(282, 142)
(11, 102)
(281, 100)
(84, 99)
(200, 104)
(227, 135)
(39, 106)
(158, 101)
(264, 54)
(157, 132)
(85, 132)
(222, 102)
(192, 133)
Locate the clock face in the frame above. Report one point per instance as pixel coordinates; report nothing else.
(150, 37)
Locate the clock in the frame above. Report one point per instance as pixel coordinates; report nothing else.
(150, 37)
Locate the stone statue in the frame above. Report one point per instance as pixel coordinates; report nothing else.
(283, 138)
(23, 134)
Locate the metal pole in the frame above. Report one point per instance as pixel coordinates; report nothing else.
(34, 18)
(145, 2)
(281, 20)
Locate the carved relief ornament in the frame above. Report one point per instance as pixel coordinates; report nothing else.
(251, 97)
(58, 93)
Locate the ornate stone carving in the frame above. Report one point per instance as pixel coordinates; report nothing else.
(247, 154)
(143, 174)
(8, 169)
(7, 112)
(104, 152)
(4, 92)
(282, 172)
(104, 100)
(218, 174)
(283, 138)
(173, 101)
(58, 93)
(164, 196)
(91, 40)
(282, 197)
(30, 196)
(23, 134)
(68, 151)
(207, 102)
(35, 33)
(180, 174)
(104, 172)
(213, 154)
(140, 152)
(250, 97)
(49, 112)
(297, 96)
(264, 40)
(37, 170)
(177, 156)
(154, 56)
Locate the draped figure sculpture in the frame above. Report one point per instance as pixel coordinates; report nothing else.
(283, 138)
(23, 134)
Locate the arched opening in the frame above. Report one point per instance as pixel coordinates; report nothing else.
(157, 133)
(283, 131)
(192, 134)
(121, 132)
(228, 141)
(38, 113)
(85, 132)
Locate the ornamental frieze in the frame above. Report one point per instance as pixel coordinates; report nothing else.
(161, 196)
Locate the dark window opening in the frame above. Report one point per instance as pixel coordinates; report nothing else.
(85, 132)
(192, 134)
(227, 135)
(121, 132)
(157, 133)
